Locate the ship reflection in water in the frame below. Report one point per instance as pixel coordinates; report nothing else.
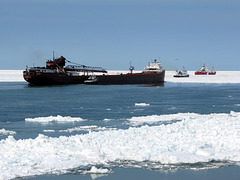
(56, 73)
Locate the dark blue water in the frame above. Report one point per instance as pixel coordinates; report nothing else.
(231, 173)
(19, 101)
(97, 103)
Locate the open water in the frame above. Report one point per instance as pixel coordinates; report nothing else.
(174, 131)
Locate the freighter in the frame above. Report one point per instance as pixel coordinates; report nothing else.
(56, 73)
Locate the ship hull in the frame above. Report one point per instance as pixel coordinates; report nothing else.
(200, 73)
(181, 76)
(52, 78)
(212, 73)
(62, 78)
(135, 78)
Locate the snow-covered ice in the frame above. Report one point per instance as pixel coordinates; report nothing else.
(220, 77)
(194, 138)
(139, 120)
(95, 170)
(86, 128)
(11, 75)
(4, 132)
(60, 119)
(142, 104)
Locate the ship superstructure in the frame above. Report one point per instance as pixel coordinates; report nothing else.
(55, 72)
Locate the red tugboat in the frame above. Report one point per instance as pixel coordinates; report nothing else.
(212, 72)
(202, 71)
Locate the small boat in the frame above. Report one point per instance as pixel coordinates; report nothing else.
(202, 71)
(212, 72)
(181, 73)
(91, 80)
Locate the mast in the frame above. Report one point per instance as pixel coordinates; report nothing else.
(53, 56)
(131, 68)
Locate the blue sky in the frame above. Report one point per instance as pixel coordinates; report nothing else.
(111, 33)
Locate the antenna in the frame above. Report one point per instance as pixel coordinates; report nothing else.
(53, 56)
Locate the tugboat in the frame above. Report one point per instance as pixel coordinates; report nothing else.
(55, 73)
(212, 72)
(181, 73)
(91, 80)
(202, 71)
(152, 74)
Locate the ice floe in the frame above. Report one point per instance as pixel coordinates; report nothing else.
(194, 138)
(86, 128)
(4, 132)
(60, 119)
(95, 170)
(153, 119)
(82, 128)
(49, 130)
(142, 104)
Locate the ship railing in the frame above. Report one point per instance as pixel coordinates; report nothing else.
(84, 68)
